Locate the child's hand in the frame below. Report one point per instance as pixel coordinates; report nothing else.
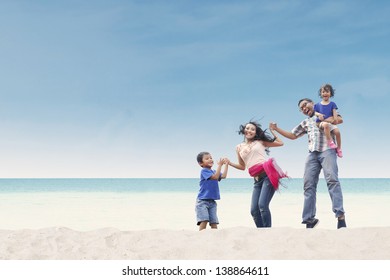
(320, 116)
(226, 161)
(220, 161)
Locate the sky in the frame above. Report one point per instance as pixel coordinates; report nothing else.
(136, 89)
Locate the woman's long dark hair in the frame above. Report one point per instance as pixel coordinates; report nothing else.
(260, 133)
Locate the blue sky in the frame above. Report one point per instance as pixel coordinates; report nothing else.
(138, 88)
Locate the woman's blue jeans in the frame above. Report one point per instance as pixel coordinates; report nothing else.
(262, 194)
(327, 161)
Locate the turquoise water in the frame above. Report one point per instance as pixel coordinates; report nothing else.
(231, 185)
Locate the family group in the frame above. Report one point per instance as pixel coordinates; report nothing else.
(324, 141)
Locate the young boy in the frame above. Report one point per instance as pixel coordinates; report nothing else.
(206, 206)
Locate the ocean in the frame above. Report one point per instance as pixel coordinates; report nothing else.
(143, 204)
(166, 185)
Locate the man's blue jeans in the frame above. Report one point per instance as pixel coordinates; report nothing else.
(327, 161)
(262, 194)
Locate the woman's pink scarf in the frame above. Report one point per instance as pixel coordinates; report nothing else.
(273, 171)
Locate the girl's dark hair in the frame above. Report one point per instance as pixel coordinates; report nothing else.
(260, 133)
(327, 87)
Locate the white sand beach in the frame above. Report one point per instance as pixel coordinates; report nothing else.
(173, 211)
(239, 243)
(106, 226)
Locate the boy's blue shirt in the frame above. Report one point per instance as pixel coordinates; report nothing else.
(209, 189)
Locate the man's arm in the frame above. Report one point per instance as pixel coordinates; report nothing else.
(339, 120)
(287, 134)
(333, 120)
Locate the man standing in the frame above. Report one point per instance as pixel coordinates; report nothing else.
(320, 157)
